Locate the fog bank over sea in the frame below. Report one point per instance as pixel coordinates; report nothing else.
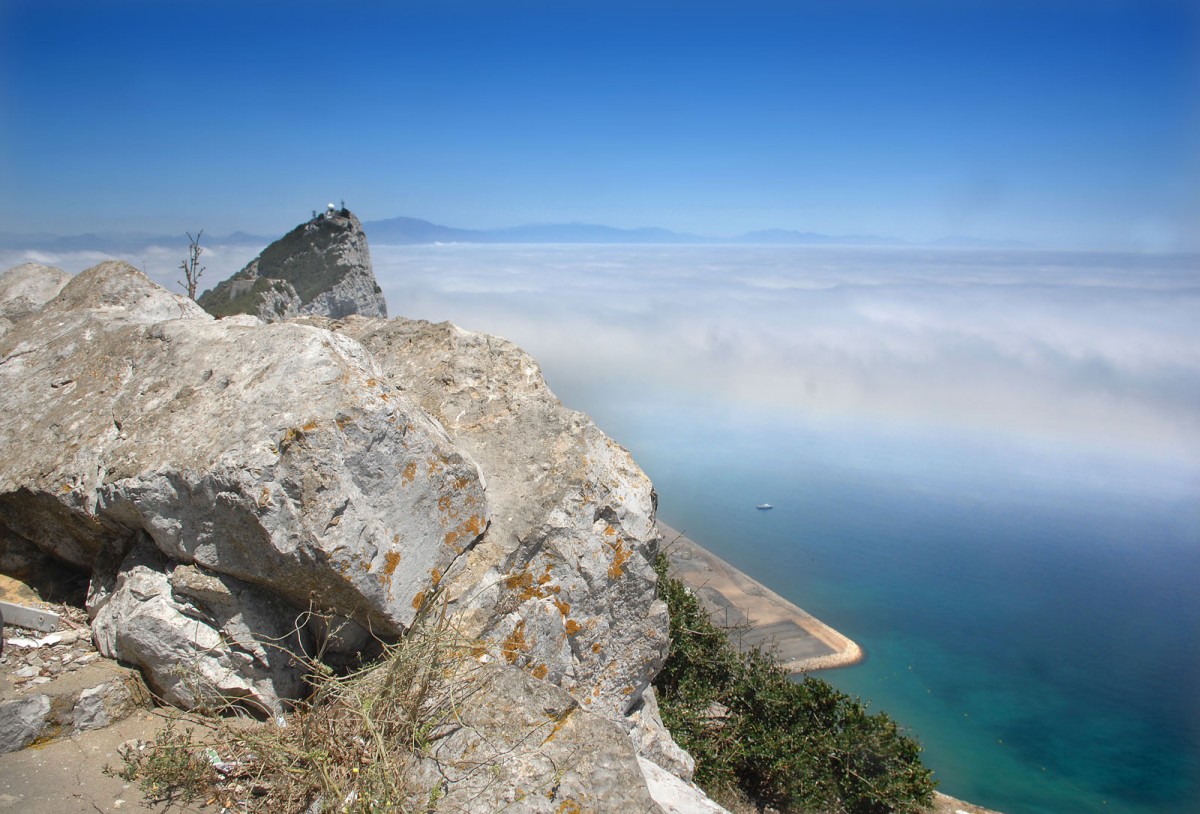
(1097, 349)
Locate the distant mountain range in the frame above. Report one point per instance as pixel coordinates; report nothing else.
(407, 231)
(414, 230)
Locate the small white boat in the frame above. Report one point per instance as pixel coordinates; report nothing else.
(764, 507)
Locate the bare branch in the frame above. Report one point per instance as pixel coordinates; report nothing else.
(191, 266)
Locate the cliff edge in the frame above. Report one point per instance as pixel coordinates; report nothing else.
(246, 499)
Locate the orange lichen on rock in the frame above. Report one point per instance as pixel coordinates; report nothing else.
(563, 607)
(390, 561)
(436, 576)
(409, 473)
(573, 627)
(621, 555)
(418, 600)
(523, 583)
(522, 580)
(310, 425)
(541, 671)
(467, 531)
(514, 644)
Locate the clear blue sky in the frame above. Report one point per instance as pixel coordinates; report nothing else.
(1070, 123)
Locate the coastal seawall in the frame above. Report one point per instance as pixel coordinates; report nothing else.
(756, 615)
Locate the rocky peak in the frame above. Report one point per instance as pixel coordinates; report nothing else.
(322, 267)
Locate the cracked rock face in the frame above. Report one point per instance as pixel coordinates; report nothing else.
(522, 745)
(566, 586)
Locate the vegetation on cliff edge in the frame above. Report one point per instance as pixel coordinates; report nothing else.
(796, 746)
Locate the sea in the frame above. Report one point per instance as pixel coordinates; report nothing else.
(984, 467)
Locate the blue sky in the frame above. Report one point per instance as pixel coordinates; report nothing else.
(1062, 124)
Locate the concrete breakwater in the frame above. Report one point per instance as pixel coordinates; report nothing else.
(756, 615)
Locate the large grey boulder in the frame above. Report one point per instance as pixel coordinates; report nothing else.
(565, 587)
(272, 454)
(322, 267)
(225, 641)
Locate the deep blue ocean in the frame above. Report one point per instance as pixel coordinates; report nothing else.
(985, 468)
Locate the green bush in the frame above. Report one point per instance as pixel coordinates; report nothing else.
(793, 745)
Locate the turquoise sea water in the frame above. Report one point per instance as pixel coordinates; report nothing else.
(985, 469)
(1041, 641)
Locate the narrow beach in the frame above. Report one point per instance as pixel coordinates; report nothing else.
(802, 642)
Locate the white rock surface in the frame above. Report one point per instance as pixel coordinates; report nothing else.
(521, 745)
(24, 288)
(673, 795)
(22, 720)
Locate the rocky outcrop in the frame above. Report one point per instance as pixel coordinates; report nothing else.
(567, 579)
(322, 267)
(247, 495)
(24, 288)
(270, 455)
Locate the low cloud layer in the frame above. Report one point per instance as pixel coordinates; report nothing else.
(1099, 349)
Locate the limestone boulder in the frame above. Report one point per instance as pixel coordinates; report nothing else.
(275, 455)
(565, 587)
(205, 640)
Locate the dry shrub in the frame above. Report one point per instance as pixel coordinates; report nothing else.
(348, 748)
